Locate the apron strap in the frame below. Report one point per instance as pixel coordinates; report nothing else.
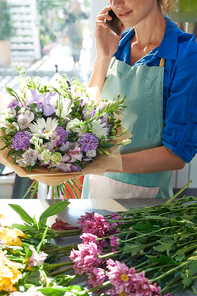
(161, 64)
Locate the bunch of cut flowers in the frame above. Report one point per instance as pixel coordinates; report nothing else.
(57, 127)
(30, 261)
(144, 251)
(148, 251)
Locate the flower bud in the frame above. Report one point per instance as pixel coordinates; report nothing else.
(113, 138)
(125, 142)
(124, 131)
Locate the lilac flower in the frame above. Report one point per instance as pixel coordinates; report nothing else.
(86, 258)
(21, 141)
(88, 142)
(62, 134)
(36, 259)
(96, 278)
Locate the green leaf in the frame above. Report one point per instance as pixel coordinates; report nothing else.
(147, 226)
(192, 268)
(54, 209)
(34, 278)
(164, 246)
(19, 226)
(180, 256)
(133, 248)
(187, 280)
(24, 216)
(71, 290)
(28, 252)
(163, 259)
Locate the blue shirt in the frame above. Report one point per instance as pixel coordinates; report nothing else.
(179, 50)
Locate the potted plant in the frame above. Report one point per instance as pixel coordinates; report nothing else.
(6, 32)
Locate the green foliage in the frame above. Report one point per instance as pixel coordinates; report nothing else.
(6, 24)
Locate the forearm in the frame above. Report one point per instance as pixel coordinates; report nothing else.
(99, 73)
(151, 161)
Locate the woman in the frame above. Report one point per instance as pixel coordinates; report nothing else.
(155, 65)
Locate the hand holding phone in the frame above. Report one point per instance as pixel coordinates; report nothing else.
(115, 24)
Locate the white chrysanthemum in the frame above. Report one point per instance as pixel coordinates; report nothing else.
(74, 125)
(43, 128)
(99, 129)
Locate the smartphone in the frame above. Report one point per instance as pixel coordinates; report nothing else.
(115, 24)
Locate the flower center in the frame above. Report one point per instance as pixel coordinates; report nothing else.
(123, 293)
(124, 277)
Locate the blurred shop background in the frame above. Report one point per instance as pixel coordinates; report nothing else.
(37, 34)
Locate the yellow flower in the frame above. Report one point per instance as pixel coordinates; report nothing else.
(9, 273)
(10, 236)
(2, 217)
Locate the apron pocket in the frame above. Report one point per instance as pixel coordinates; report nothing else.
(102, 187)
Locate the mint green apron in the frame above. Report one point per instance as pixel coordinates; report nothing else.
(143, 87)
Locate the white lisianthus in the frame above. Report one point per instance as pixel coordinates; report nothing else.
(99, 128)
(56, 157)
(91, 153)
(74, 125)
(46, 156)
(125, 142)
(42, 128)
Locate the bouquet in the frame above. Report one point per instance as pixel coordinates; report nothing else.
(59, 127)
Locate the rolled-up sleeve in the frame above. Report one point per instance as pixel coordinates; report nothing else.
(180, 121)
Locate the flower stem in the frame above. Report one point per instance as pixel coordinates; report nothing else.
(169, 272)
(57, 265)
(60, 271)
(99, 287)
(178, 193)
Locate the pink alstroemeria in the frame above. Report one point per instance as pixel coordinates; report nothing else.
(75, 154)
(36, 259)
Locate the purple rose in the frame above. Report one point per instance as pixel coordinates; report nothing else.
(21, 141)
(88, 142)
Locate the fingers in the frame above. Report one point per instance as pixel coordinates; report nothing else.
(103, 16)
